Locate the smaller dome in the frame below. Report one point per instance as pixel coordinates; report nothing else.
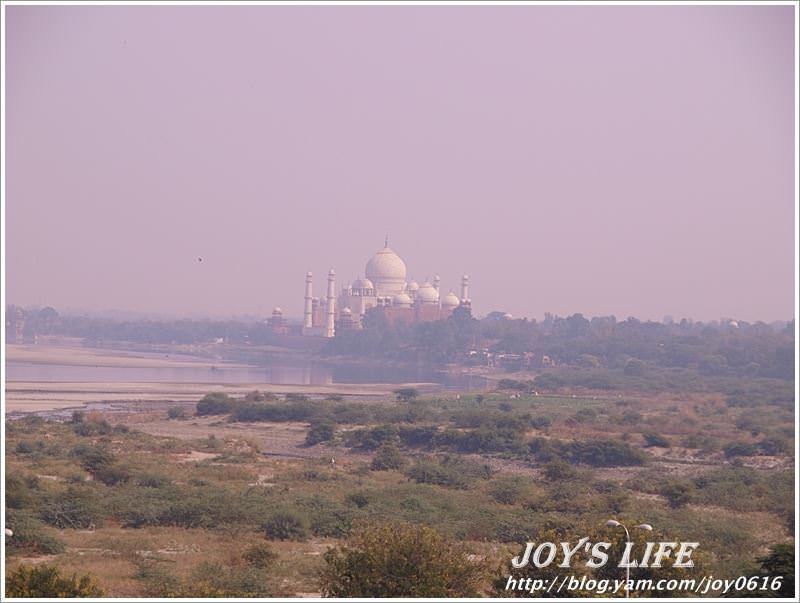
(507, 316)
(347, 311)
(413, 286)
(401, 301)
(450, 300)
(427, 294)
(363, 284)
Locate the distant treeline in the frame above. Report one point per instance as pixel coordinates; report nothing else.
(632, 346)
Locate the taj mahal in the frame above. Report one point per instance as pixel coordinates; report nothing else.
(383, 286)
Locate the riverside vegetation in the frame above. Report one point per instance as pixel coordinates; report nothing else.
(456, 483)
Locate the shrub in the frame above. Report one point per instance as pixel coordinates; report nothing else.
(677, 493)
(29, 535)
(418, 436)
(176, 412)
(93, 458)
(77, 508)
(654, 439)
(215, 403)
(260, 555)
(92, 427)
(406, 394)
(47, 582)
(508, 491)
(541, 422)
(320, 432)
(372, 438)
(558, 470)
(401, 560)
(774, 446)
(296, 398)
(359, 499)
(449, 471)
(740, 449)
(286, 525)
(388, 457)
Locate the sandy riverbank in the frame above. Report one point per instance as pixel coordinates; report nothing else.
(80, 356)
(28, 396)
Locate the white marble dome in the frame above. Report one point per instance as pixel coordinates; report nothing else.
(387, 271)
(450, 300)
(362, 284)
(402, 301)
(427, 294)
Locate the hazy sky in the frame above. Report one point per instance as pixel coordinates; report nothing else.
(634, 160)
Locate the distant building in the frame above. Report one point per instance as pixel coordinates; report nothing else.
(384, 286)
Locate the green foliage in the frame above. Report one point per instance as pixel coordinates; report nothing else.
(406, 394)
(260, 555)
(216, 403)
(388, 457)
(29, 536)
(176, 412)
(678, 493)
(286, 525)
(320, 432)
(559, 470)
(77, 508)
(92, 427)
(400, 560)
(47, 582)
(449, 471)
(508, 490)
(372, 438)
(597, 453)
(654, 439)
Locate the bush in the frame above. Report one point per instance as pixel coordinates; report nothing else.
(653, 439)
(677, 493)
(320, 432)
(740, 449)
(597, 453)
(93, 427)
(77, 508)
(449, 471)
(286, 525)
(176, 412)
(29, 535)
(47, 582)
(215, 403)
(541, 422)
(388, 457)
(260, 556)
(372, 438)
(507, 491)
(406, 394)
(401, 560)
(558, 470)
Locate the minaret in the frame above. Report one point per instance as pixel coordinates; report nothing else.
(436, 281)
(308, 320)
(330, 303)
(464, 289)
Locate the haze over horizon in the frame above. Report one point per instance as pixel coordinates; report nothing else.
(626, 160)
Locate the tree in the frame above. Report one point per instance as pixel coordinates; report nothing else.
(401, 560)
(406, 394)
(47, 581)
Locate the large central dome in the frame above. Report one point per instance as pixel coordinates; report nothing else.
(387, 271)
